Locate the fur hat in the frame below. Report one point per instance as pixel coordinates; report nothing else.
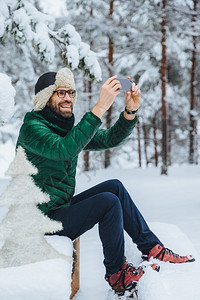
(48, 83)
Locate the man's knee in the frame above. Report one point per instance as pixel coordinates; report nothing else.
(115, 184)
(110, 200)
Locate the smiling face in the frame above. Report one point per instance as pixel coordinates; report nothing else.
(61, 106)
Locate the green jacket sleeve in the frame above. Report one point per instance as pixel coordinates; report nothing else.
(114, 136)
(40, 140)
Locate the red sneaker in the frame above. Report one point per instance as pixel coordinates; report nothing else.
(165, 254)
(125, 279)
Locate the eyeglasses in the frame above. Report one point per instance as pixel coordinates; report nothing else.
(62, 93)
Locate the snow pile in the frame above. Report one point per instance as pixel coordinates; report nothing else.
(174, 282)
(46, 280)
(7, 94)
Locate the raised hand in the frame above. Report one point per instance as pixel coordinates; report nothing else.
(108, 93)
(132, 98)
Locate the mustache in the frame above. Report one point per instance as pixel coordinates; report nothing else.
(66, 102)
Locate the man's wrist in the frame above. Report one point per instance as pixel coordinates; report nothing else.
(131, 111)
(129, 117)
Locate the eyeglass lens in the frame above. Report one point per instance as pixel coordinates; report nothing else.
(62, 93)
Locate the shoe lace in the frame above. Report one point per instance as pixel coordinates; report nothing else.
(129, 269)
(132, 270)
(167, 251)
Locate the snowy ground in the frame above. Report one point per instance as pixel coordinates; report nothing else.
(171, 206)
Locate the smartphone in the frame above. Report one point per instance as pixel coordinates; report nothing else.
(125, 83)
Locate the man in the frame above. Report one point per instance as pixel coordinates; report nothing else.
(52, 143)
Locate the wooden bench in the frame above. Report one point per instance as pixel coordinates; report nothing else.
(75, 284)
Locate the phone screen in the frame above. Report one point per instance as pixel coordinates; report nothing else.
(125, 83)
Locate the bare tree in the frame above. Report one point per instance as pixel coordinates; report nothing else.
(139, 143)
(88, 90)
(193, 122)
(145, 134)
(163, 84)
(169, 142)
(110, 70)
(155, 140)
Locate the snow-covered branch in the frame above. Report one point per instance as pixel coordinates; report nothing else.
(34, 28)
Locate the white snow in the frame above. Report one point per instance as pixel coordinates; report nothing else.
(43, 280)
(33, 28)
(7, 153)
(73, 36)
(22, 23)
(77, 50)
(7, 94)
(43, 42)
(170, 205)
(84, 49)
(37, 16)
(72, 56)
(54, 8)
(93, 65)
(4, 13)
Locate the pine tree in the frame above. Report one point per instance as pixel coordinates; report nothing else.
(24, 226)
(32, 28)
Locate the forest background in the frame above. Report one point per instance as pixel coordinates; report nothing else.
(156, 43)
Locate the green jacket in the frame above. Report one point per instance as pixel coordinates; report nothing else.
(54, 151)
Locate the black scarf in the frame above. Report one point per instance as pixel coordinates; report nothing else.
(64, 123)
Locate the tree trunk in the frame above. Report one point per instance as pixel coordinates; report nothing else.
(88, 90)
(169, 141)
(155, 141)
(163, 84)
(145, 144)
(86, 155)
(139, 144)
(110, 71)
(193, 122)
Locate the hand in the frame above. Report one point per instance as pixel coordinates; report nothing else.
(108, 93)
(133, 98)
